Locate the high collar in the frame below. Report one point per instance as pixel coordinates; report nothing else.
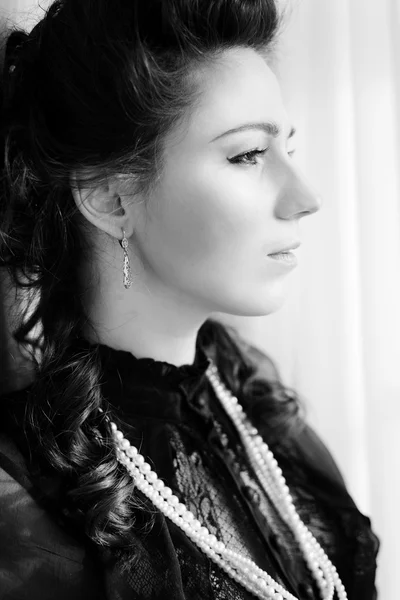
(145, 387)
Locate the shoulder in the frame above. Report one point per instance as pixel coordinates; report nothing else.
(25, 521)
(274, 406)
(314, 453)
(38, 558)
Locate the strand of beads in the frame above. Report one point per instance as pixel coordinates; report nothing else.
(239, 567)
(270, 476)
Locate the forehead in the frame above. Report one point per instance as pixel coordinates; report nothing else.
(238, 88)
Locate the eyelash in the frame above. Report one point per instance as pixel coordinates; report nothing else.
(251, 154)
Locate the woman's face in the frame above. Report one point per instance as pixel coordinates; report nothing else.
(228, 196)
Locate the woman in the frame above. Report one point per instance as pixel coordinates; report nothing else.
(148, 184)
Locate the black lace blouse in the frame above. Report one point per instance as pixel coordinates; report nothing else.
(184, 433)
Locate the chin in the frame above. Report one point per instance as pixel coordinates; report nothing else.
(259, 305)
(262, 309)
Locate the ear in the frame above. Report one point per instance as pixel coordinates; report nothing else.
(104, 205)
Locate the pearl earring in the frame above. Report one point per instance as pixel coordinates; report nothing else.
(127, 265)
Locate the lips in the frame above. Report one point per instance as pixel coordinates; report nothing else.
(286, 248)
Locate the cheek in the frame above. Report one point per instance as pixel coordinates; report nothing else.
(206, 227)
(203, 215)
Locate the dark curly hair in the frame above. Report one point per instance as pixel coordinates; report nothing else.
(93, 90)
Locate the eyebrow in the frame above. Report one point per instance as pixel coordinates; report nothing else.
(271, 128)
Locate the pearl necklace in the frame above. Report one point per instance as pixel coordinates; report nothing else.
(240, 568)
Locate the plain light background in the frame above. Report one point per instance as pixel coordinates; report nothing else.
(337, 338)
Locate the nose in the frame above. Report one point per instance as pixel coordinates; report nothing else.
(297, 198)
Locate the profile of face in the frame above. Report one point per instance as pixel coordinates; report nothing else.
(228, 195)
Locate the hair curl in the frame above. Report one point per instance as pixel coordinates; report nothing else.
(94, 88)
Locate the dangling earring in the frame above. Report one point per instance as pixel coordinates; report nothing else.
(127, 266)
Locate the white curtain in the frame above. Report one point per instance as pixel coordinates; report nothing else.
(24, 13)
(337, 338)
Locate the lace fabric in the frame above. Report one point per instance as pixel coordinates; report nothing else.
(194, 448)
(183, 431)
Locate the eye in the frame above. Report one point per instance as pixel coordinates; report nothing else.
(248, 158)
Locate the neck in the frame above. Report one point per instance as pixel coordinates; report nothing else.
(147, 320)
